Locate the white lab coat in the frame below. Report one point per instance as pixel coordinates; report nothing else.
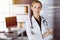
(37, 32)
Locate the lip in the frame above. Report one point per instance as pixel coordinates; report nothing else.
(37, 12)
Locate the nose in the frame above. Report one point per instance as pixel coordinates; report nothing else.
(36, 9)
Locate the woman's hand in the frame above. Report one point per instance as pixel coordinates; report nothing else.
(49, 32)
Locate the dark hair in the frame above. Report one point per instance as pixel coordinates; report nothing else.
(33, 4)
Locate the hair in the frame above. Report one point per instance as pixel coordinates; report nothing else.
(33, 4)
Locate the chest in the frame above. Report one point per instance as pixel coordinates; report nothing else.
(38, 28)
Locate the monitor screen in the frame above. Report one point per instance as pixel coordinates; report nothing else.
(11, 22)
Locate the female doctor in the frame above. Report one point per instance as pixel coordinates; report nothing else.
(37, 27)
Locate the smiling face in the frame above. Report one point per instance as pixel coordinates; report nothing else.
(36, 8)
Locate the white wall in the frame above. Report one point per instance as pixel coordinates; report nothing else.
(4, 11)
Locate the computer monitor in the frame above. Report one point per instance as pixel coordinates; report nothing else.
(11, 22)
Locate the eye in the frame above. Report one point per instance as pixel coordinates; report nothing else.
(34, 7)
(39, 7)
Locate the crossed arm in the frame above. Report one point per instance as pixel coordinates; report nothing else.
(49, 32)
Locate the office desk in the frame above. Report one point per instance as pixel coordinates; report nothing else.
(15, 33)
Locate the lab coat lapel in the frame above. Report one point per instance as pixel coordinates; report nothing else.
(36, 26)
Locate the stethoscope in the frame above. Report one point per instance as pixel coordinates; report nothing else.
(45, 23)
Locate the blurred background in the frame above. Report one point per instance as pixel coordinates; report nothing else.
(50, 11)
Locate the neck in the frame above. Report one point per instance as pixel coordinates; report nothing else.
(37, 16)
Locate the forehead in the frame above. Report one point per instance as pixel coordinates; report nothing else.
(37, 5)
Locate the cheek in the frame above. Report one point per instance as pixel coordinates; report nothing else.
(34, 9)
(39, 10)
